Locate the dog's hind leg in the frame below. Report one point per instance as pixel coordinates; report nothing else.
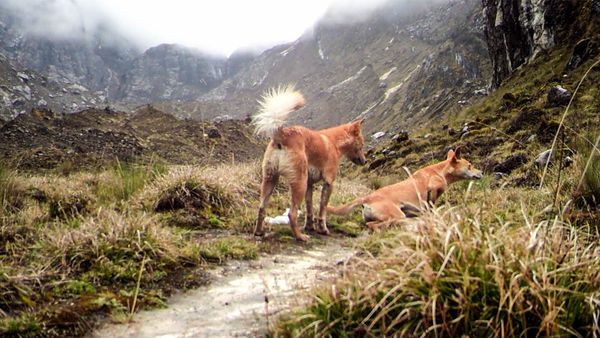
(267, 186)
(383, 213)
(308, 201)
(298, 190)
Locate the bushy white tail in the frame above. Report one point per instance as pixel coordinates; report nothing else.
(275, 106)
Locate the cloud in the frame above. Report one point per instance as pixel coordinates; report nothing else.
(214, 26)
(56, 19)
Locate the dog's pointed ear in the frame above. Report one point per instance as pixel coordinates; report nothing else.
(458, 152)
(451, 155)
(356, 126)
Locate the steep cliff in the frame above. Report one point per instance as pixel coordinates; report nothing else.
(517, 31)
(168, 72)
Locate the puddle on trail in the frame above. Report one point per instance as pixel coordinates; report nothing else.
(233, 305)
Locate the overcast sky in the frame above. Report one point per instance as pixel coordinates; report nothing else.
(215, 26)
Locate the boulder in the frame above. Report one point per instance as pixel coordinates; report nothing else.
(400, 137)
(213, 133)
(543, 158)
(558, 96)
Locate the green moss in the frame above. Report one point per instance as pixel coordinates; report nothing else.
(232, 247)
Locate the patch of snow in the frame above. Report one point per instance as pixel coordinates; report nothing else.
(386, 75)
(364, 113)
(348, 80)
(321, 53)
(291, 48)
(394, 89)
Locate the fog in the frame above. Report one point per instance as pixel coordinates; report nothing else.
(213, 26)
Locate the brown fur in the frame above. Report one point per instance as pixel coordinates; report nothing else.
(305, 157)
(422, 188)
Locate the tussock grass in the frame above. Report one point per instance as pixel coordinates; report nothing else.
(450, 274)
(225, 187)
(587, 191)
(12, 190)
(91, 242)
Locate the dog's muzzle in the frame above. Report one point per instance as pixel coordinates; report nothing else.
(358, 160)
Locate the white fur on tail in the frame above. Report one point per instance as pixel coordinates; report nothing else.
(275, 106)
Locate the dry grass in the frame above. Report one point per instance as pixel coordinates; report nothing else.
(91, 242)
(506, 269)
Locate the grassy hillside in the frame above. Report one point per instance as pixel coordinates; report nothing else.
(515, 254)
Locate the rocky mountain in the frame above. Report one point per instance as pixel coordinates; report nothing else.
(169, 72)
(409, 63)
(23, 89)
(400, 66)
(94, 62)
(108, 65)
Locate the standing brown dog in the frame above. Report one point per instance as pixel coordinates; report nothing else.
(303, 156)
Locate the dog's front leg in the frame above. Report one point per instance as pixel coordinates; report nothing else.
(308, 200)
(322, 219)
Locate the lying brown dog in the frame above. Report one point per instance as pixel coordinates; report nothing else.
(419, 190)
(303, 156)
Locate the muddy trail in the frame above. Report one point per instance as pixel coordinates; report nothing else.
(243, 297)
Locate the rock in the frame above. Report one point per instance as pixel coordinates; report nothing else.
(213, 133)
(567, 161)
(558, 96)
(378, 135)
(480, 92)
(400, 137)
(23, 76)
(596, 7)
(511, 163)
(543, 158)
(498, 175)
(581, 52)
(464, 130)
(222, 118)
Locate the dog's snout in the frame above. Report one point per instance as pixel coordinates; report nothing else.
(359, 160)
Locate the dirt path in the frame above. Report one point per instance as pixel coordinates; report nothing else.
(234, 303)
